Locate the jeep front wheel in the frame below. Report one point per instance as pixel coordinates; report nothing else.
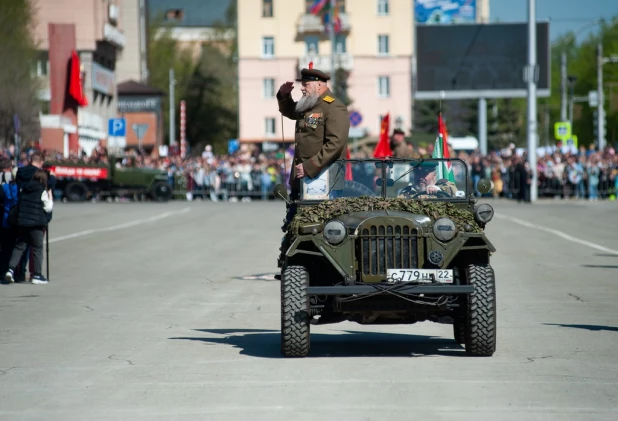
(481, 311)
(295, 334)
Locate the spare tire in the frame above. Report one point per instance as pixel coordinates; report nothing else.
(76, 191)
(161, 191)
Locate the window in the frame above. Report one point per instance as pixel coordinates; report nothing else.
(269, 126)
(174, 14)
(382, 7)
(340, 44)
(268, 47)
(267, 8)
(384, 88)
(269, 88)
(312, 44)
(382, 44)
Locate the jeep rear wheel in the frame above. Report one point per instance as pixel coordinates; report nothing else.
(295, 334)
(161, 191)
(481, 311)
(76, 191)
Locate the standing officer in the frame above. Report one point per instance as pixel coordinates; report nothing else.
(322, 125)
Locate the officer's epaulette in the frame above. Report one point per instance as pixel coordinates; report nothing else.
(328, 99)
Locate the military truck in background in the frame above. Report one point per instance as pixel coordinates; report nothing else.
(80, 181)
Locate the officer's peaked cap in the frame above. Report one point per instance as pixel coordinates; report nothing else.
(312, 74)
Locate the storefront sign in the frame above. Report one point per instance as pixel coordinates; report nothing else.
(137, 104)
(103, 79)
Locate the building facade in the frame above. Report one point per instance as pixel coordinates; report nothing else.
(375, 47)
(93, 29)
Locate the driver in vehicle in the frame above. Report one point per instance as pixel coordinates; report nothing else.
(425, 182)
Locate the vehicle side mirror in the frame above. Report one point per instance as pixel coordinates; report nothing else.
(281, 192)
(483, 186)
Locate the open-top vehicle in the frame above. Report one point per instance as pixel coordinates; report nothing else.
(388, 241)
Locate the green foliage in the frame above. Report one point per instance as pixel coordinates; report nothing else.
(333, 208)
(426, 115)
(18, 80)
(208, 83)
(582, 63)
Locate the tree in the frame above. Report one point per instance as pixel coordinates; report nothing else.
(426, 115)
(18, 95)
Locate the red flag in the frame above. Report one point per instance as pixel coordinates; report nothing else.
(383, 148)
(444, 133)
(348, 166)
(75, 83)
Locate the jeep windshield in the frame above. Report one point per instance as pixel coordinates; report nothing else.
(417, 179)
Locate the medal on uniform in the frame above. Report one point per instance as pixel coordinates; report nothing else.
(313, 119)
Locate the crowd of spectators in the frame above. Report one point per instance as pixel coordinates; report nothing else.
(249, 173)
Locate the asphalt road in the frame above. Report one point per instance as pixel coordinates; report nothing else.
(168, 312)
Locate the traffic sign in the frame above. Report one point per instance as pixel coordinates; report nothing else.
(117, 127)
(140, 131)
(355, 118)
(593, 98)
(562, 130)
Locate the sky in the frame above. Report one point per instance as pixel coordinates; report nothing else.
(564, 15)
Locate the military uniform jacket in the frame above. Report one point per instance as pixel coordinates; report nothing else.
(321, 132)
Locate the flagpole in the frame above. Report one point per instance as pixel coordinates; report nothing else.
(331, 25)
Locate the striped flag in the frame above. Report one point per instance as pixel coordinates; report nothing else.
(317, 6)
(440, 150)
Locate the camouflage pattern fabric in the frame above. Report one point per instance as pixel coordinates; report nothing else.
(332, 208)
(444, 185)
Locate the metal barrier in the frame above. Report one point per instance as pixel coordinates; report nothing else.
(226, 187)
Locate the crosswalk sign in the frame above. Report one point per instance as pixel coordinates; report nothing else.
(562, 130)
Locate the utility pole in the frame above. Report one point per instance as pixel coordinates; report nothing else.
(601, 108)
(172, 108)
(143, 40)
(563, 87)
(532, 126)
(331, 25)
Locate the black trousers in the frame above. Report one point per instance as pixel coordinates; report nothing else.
(7, 243)
(33, 237)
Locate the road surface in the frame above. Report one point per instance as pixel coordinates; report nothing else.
(169, 312)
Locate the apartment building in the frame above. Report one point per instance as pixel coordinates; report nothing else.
(92, 28)
(277, 38)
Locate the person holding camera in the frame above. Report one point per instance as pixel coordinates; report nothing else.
(30, 216)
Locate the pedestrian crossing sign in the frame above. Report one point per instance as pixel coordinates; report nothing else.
(562, 130)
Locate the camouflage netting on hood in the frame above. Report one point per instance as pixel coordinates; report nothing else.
(330, 209)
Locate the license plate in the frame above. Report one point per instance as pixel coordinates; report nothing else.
(443, 276)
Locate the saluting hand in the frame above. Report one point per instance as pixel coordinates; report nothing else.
(300, 171)
(286, 88)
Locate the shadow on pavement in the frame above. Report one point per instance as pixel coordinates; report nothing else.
(587, 327)
(601, 266)
(606, 255)
(266, 343)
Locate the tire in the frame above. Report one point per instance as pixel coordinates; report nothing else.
(353, 188)
(481, 311)
(76, 191)
(295, 332)
(161, 191)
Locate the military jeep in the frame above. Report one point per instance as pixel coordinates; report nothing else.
(374, 241)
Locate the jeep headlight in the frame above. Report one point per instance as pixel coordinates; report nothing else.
(334, 232)
(444, 229)
(483, 213)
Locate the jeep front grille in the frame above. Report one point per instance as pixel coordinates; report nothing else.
(387, 247)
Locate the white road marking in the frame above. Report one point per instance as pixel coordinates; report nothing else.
(121, 226)
(558, 233)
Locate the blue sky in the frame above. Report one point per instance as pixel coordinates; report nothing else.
(564, 15)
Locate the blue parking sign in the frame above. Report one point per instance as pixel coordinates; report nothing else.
(117, 127)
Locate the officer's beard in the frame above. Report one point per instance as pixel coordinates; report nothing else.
(306, 102)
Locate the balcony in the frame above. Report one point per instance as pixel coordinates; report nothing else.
(322, 63)
(309, 24)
